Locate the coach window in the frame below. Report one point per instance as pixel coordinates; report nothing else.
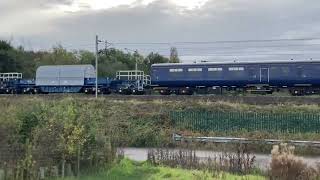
(252, 73)
(285, 71)
(215, 73)
(195, 69)
(175, 70)
(236, 68)
(214, 69)
(275, 71)
(194, 73)
(175, 73)
(237, 72)
(300, 72)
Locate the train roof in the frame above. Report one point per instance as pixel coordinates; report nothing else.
(238, 62)
(72, 65)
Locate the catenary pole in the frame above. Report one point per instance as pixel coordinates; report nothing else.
(97, 44)
(136, 51)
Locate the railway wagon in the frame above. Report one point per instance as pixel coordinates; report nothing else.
(73, 79)
(61, 79)
(300, 77)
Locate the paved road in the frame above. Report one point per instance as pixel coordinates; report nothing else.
(262, 160)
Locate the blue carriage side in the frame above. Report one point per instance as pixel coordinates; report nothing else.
(300, 77)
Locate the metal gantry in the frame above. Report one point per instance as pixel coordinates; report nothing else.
(10, 76)
(139, 77)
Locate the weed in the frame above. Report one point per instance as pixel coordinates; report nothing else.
(240, 162)
(286, 166)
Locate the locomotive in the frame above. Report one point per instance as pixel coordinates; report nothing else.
(264, 77)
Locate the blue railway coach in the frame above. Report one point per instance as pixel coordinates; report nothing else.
(300, 77)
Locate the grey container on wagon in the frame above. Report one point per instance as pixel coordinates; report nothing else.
(64, 75)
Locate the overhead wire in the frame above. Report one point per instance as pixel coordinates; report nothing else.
(306, 47)
(214, 42)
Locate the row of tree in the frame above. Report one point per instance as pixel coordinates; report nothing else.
(110, 60)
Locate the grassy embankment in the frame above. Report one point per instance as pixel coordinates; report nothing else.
(130, 123)
(142, 123)
(56, 131)
(130, 170)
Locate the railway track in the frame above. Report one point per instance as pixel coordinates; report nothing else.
(254, 100)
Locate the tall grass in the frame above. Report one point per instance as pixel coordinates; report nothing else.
(130, 170)
(287, 166)
(240, 162)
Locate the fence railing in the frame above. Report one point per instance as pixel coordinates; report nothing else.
(249, 121)
(233, 140)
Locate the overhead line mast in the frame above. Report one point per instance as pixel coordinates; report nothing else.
(97, 56)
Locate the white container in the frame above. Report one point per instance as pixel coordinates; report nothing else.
(64, 75)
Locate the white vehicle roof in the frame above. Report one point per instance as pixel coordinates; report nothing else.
(238, 62)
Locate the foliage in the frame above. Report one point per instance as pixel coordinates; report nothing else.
(240, 162)
(174, 58)
(153, 58)
(8, 60)
(131, 170)
(52, 133)
(111, 60)
(286, 166)
(55, 128)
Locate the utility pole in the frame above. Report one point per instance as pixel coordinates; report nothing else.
(136, 51)
(97, 54)
(97, 57)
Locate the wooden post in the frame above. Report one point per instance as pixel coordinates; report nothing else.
(55, 171)
(69, 170)
(2, 174)
(78, 163)
(42, 173)
(63, 167)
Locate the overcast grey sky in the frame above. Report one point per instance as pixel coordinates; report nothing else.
(39, 24)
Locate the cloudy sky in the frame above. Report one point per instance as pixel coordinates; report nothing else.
(200, 29)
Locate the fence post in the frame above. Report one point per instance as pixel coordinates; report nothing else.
(63, 167)
(69, 170)
(2, 174)
(42, 172)
(78, 161)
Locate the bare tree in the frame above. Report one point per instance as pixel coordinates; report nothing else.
(174, 58)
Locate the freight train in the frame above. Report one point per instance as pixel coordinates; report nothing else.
(72, 79)
(265, 77)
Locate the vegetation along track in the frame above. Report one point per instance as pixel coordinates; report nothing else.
(253, 100)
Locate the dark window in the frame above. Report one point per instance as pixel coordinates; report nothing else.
(279, 71)
(215, 73)
(301, 73)
(175, 73)
(252, 73)
(285, 71)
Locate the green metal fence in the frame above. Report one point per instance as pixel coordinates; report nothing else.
(250, 121)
